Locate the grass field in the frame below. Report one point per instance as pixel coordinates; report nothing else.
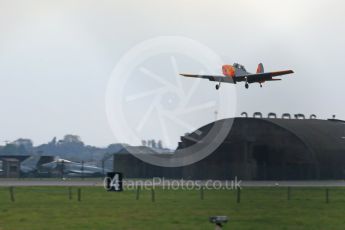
(259, 208)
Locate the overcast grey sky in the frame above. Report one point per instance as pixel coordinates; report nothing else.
(56, 57)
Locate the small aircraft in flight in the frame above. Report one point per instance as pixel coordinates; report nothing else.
(237, 73)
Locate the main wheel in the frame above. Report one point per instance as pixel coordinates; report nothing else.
(217, 87)
(246, 85)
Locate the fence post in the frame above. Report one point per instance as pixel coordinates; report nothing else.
(289, 193)
(153, 198)
(79, 194)
(202, 193)
(138, 193)
(70, 193)
(327, 195)
(11, 194)
(238, 195)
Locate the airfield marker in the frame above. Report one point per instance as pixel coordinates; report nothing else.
(202, 193)
(153, 198)
(238, 195)
(138, 193)
(11, 194)
(70, 193)
(79, 194)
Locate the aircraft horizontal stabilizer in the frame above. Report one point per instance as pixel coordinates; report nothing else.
(274, 79)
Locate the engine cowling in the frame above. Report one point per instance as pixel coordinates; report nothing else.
(228, 70)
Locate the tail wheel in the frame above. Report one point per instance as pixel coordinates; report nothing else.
(217, 86)
(246, 85)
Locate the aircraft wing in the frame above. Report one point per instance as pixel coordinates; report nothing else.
(257, 77)
(81, 172)
(211, 77)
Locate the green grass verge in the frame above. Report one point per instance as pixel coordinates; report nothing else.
(260, 208)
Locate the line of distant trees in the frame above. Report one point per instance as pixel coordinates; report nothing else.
(152, 143)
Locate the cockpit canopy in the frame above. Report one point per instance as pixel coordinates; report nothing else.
(239, 66)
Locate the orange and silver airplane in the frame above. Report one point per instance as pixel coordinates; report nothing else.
(237, 73)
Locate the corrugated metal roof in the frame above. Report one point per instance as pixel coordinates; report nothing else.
(319, 135)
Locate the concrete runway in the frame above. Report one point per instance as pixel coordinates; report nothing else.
(99, 182)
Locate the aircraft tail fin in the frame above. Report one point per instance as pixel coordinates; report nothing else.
(260, 68)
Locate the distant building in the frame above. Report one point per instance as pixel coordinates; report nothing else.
(26, 143)
(10, 167)
(133, 167)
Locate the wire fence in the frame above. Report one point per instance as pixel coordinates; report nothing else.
(156, 194)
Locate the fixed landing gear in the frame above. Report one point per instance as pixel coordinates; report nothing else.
(217, 86)
(246, 85)
(260, 85)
